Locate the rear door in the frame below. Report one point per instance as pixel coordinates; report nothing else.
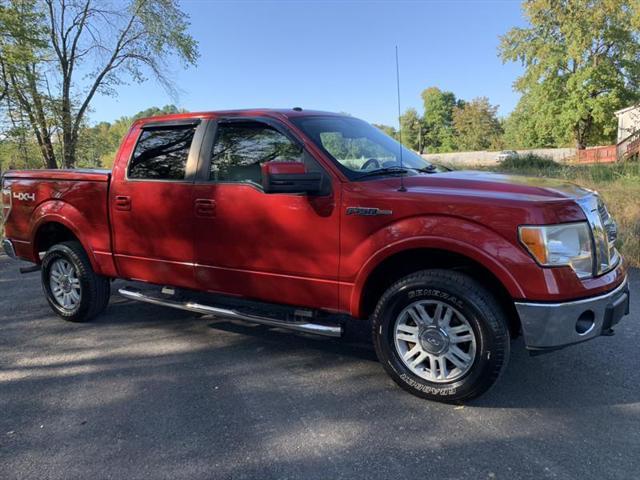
(151, 204)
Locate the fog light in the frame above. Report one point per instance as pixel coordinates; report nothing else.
(585, 322)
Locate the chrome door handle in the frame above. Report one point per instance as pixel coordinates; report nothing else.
(123, 202)
(205, 207)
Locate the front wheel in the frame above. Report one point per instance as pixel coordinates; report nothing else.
(441, 335)
(71, 287)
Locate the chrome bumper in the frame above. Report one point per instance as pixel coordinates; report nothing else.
(7, 245)
(554, 325)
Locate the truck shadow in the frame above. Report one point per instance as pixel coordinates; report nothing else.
(594, 373)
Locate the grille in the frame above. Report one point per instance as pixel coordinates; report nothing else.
(604, 232)
(607, 222)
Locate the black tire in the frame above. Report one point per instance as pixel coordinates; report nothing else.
(482, 313)
(95, 290)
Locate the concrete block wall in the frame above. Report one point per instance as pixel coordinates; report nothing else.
(491, 158)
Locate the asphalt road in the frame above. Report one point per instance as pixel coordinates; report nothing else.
(148, 392)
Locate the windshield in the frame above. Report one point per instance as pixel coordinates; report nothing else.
(358, 147)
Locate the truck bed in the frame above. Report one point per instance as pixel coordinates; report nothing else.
(41, 206)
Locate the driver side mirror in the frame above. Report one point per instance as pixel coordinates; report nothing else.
(290, 177)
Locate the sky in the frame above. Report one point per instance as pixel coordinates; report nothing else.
(334, 55)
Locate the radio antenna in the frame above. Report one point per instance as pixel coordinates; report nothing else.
(401, 189)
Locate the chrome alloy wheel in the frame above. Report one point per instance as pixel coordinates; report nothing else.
(65, 284)
(435, 341)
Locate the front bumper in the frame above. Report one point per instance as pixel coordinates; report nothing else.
(548, 326)
(8, 247)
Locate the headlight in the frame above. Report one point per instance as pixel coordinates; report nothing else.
(567, 244)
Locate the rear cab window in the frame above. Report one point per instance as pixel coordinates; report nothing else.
(161, 153)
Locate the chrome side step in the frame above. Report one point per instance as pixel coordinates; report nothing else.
(306, 327)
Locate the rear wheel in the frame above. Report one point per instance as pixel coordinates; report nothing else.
(441, 335)
(71, 287)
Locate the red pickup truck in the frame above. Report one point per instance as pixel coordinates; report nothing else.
(304, 220)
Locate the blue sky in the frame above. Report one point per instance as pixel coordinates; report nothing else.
(336, 56)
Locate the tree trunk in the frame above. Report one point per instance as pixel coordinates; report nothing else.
(40, 119)
(68, 143)
(45, 142)
(50, 156)
(46, 146)
(68, 137)
(581, 132)
(70, 146)
(41, 133)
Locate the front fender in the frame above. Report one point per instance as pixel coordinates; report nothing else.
(469, 239)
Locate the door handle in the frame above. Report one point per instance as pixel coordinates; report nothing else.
(123, 202)
(205, 207)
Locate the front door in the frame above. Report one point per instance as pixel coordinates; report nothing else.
(151, 205)
(280, 248)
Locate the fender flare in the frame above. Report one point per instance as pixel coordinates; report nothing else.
(462, 248)
(57, 211)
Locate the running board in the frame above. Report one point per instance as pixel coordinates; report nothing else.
(306, 327)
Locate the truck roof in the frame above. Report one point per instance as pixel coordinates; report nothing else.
(249, 112)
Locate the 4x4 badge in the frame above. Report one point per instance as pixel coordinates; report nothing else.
(367, 212)
(22, 196)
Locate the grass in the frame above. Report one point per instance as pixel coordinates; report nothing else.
(618, 184)
(528, 162)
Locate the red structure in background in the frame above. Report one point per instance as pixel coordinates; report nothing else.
(606, 154)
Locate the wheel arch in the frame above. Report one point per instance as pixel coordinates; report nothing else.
(52, 229)
(387, 267)
(50, 233)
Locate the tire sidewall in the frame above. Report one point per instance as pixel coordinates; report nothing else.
(485, 332)
(62, 251)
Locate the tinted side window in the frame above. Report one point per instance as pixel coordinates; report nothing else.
(240, 149)
(161, 153)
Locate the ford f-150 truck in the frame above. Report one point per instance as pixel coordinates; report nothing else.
(309, 220)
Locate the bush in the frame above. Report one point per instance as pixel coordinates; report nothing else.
(528, 162)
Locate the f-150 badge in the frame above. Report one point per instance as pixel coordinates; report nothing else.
(367, 212)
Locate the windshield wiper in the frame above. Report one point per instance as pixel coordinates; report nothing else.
(383, 171)
(427, 169)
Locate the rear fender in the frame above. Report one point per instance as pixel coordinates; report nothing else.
(92, 237)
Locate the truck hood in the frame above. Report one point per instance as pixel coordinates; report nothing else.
(491, 199)
(495, 185)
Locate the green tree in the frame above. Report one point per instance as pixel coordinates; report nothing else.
(438, 119)
(156, 111)
(582, 62)
(99, 144)
(22, 45)
(412, 127)
(391, 131)
(531, 124)
(73, 49)
(476, 125)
